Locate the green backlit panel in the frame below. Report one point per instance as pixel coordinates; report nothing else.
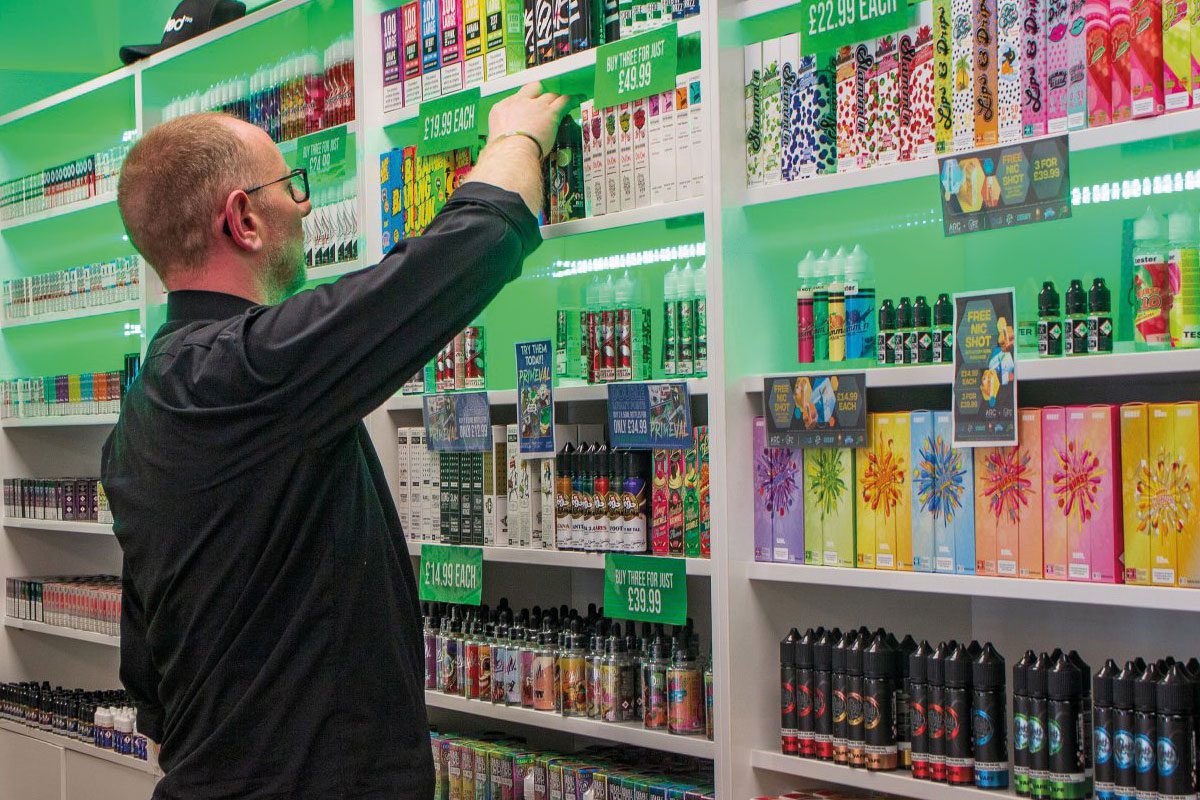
(91, 344)
(86, 236)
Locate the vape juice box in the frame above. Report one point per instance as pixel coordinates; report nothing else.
(1177, 55)
(883, 100)
(923, 444)
(1102, 427)
(752, 94)
(517, 35)
(703, 453)
(529, 33)
(1028, 468)
(902, 513)
(494, 45)
(495, 488)
(962, 54)
(1054, 519)
(403, 493)
(1187, 446)
(590, 186)
(867, 143)
(410, 53)
(866, 499)
(846, 109)
(661, 132)
(546, 532)
(392, 59)
(983, 21)
(960, 488)
(789, 86)
(992, 515)
(771, 98)
(1121, 56)
(811, 119)
(473, 43)
(943, 77)
(829, 503)
(916, 87)
(780, 487)
(431, 50)
(884, 509)
(1136, 464)
(612, 161)
(1058, 63)
(691, 501)
(1099, 62)
(543, 36)
(690, 152)
(1145, 58)
(641, 153)
(676, 467)
(625, 151)
(659, 528)
(1008, 70)
(1033, 68)
(1077, 72)
(1074, 484)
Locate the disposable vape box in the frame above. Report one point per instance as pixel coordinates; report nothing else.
(495, 521)
(772, 112)
(595, 178)
(829, 504)
(410, 32)
(1135, 462)
(1058, 63)
(943, 77)
(529, 34)
(902, 515)
(686, 150)
(626, 155)
(789, 85)
(846, 109)
(1119, 34)
(403, 497)
(867, 144)
(676, 467)
(1177, 55)
(698, 132)
(561, 28)
(661, 132)
(883, 99)
(1029, 536)
(992, 513)
(659, 525)
(519, 528)
(1054, 520)
(923, 444)
(589, 195)
(1103, 528)
(704, 452)
(1077, 107)
(495, 57)
(1187, 445)
(543, 26)
(1008, 70)
(959, 487)
(473, 43)
(391, 59)
(800, 119)
(962, 54)
(641, 153)
(752, 94)
(547, 516)
(917, 139)
(983, 21)
(518, 35)
(867, 498)
(1099, 62)
(691, 501)
(1164, 533)
(612, 161)
(431, 50)
(1074, 482)
(1145, 58)
(452, 45)
(1033, 68)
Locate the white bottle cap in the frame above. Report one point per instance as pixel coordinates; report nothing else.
(804, 268)
(1181, 226)
(857, 265)
(1147, 227)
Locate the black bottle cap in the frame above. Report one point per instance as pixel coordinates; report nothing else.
(1085, 671)
(974, 649)
(1193, 666)
(935, 670)
(787, 648)
(854, 657)
(1102, 683)
(1021, 673)
(904, 313)
(1047, 300)
(922, 313)
(1145, 694)
(943, 310)
(917, 660)
(1175, 693)
(879, 658)
(839, 649)
(1076, 301)
(903, 649)
(958, 668)
(987, 671)
(804, 649)
(1035, 676)
(823, 649)
(887, 316)
(1099, 297)
(1064, 681)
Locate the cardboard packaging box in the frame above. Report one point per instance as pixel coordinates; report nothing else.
(958, 490)
(753, 114)
(1033, 68)
(1029, 546)
(1120, 32)
(612, 160)
(1145, 58)
(1054, 519)
(1008, 70)
(431, 50)
(943, 77)
(923, 444)
(885, 515)
(641, 153)
(1103, 528)
(917, 137)
(829, 504)
(864, 74)
(987, 121)
(867, 497)
(392, 59)
(1177, 55)
(1136, 464)
(1077, 90)
(1099, 62)
(902, 445)
(846, 109)
(883, 99)
(661, 131)
(962, 53)
(1058, 64)
(410, 31)
(474, 69)
(1187, 445)
(771, 100)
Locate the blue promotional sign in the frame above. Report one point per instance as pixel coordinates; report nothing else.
(535, 399)
(458, 423)
(648, 416)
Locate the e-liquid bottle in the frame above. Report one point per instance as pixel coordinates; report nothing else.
(685, 693)
(1176, 735)
(643, 658)
(1183, 278)
(1102, 730)
(788, 731)
(837, 307)
(601, 481)
(564, 467)
(1021, 705)
(670, 339)
(806, 743)
(500, 649)
(957, 718)
(901, 700)
(879, 731)
(471, 660)
(654, 683)
(573, 675)
(633, 504)
(1145, 732)
(905, 337)
(595, 683)
(1039, 725)
(989, 722)
(821, 271)
(841, 742)
(685, 364)
(1075, 327)
(544, 665)
(607, 301)
(1099, 323)
(823, 692)
(935, 710)
(1064, 687)
(430, 637)
(450, 641)
(943, 330)
(1085, 715)
(614, 519)
(855, 734)
(1123, 747)
(804, 309)
(918, 701)
(1151, 285)
(610, 676)
(709, 719)
(1049, 327)
(860, 305)
(885, 354)
(530, 647)
(923, 334)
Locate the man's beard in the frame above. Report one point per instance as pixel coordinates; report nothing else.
(284, 274)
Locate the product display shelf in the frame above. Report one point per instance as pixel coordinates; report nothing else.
(353, 128)
(626, 733)
(562, 558)
(65, 633)
(229, 29)
(898, 783)
(124, 307)
(679, 208)
(77, 746)
(745, 9)
(67, 421)
(60, 211)
(333, 270)
(94, 528)
(562, 394)
(545, 72)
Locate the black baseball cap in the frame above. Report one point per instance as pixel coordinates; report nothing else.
(191, 18)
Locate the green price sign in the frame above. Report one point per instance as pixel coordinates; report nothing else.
(323, 154)
(829, 24)
(645, 588)
(450, 123)
(630, 69)
(451, 574)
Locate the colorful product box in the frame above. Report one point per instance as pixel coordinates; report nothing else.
(691, 154)
(962, 54)
(1194, 27)
(866, 497)
(1029, 544)
(431, 77)
(641, 152)
(771, 98)
(1145, 58)
(593, 188)
(1177, 55)
(1054, 520)
(917, 138)
(846, 109)
(1099, 62)
(958, 500)
(829, 504)
(704, 451)
(883, 493)
(473, 43)
(943, 77)
(778, 501)
(612, 160)
(1077, 72)
(987, 121)
(391, 58)
(676, 518)
(883, 100)
(1033, 68)
(994, 518)
(1008, 70)
(625, 150)
(1136, 452)
(691, 501)
(864, 74)
(1187, 445)
(517, 37)
(659, 496)
(753, 114)
(789, 86)
(1058, 63)
(661, 108)
(902, 447)
(813, 120)
(1119, 34)
(495, 58)
(452, 45)
(923, 444)
(410, 32)
(1102, 529)
(1073, 482)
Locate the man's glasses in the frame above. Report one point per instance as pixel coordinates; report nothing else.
(297, 187)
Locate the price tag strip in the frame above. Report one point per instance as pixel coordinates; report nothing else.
(450, 123)
(645, 588)
(637, 67)
(451, 574)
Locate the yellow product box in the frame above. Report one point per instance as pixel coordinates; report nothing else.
(1187, 446)
(902, 518)
(1135, 459)
(866, 496)
(883, 492)
(1161, 503)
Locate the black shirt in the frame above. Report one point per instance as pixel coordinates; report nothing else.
(270, 628)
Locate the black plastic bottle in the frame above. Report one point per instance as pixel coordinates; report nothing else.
(956, 718)
(1021, 703)
(856, 751)
(989, 720)
(787, 693)
(1105, 779)
(885, 354)
(841, 742)
(923, 334)
(823, 693)
(1176, 759)
(1145, 729)
(1039, 724)
(1085, 714)
(1123, 747)
(943, 330)
(879, 724)
(1064, 688)
(1049, 327)
(905, 338)
(935, 709)
(805, 734)
(902, 703)
(1099, 321)
(918, 700)
(1075, 320)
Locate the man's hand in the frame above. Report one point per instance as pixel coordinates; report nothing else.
(530, 111)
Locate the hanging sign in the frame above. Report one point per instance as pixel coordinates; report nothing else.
(535, 399)
(985, 374)
(458, 423)
(324, 154)
(637, 67)
(829, 24)
(813, 410)
(645, 588)
(648, 416)
(449, 123)
(451, 574)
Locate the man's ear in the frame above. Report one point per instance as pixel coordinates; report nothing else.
(241, 225)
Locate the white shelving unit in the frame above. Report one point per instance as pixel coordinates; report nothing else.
(559, 558)
(60, 211)
(896, 783)
(65, 633)
(125, 307)
(93, 528)
(128, 762)
(679, 208)
(596, 392)
(65, 421)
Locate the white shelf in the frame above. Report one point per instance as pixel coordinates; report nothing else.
(66, 421)
(562, 558)
(51, 213)
(65, 633)
(897, 782)
(95, 528)
(1100, 594)
(697, 387)
(124, 307)
(67, 743)
(626, 733)
(333, 270)
(746, 9)
(557, 68)
(621, 219)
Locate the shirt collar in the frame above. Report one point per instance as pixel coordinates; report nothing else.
(192, 305)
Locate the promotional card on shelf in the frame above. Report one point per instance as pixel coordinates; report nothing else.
(816, 410)
(648, 416)
(458, 423)
(985, 369)
(535, 399)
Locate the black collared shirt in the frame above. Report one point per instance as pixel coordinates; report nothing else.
(270, 628)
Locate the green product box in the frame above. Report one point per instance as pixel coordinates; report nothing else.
(482, 770)
(568, 342)
(514, 36)
(641, 348)
(691, 503)
(829, 505)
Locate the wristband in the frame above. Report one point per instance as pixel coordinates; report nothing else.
(502, 136)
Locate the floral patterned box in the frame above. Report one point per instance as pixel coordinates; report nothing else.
(945, 478)
(916, 87)
(923, 446)
(883, 100)
(987, 122)
(1054, 522)
(884, 502)
(829, 505)
(1033, 68)
(1096, 485)
(778, 501)
(846, 109)
(1008, 70)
